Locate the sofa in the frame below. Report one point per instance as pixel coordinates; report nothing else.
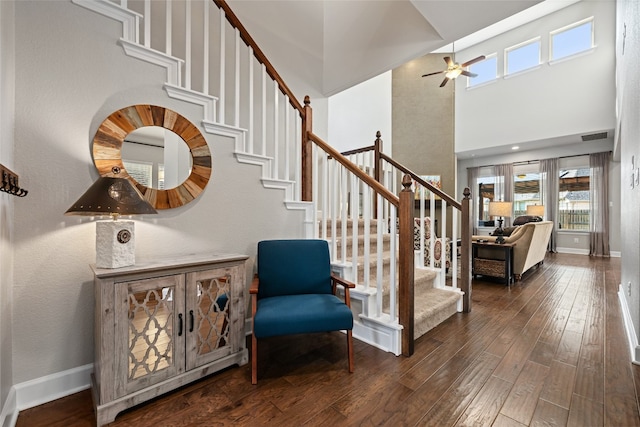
(531, 241)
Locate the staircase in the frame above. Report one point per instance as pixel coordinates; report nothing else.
(433, 304)
(243, 98)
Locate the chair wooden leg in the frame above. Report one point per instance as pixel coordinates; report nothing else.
(350, 349)
(254, 359)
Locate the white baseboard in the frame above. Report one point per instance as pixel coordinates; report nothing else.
(632, 337)
(9, 414)
(51, 387)
(573, 251)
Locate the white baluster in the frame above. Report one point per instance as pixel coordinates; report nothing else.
(392, 265)
(276, 143)
(379, 250)
(187, 45)
(168, 27)
(249, 149)
(298, 163)
(287, 138)
(354, 225)
(237, 81)
(147, 23)
(221, 95)
(205, 48)
(264, 110)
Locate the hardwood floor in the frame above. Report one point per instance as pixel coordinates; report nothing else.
(550, 350)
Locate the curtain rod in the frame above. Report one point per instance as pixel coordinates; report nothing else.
(528, 162)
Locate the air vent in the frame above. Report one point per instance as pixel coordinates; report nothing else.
(594, 136)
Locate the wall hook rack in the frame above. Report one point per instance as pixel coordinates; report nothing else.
(10, 183)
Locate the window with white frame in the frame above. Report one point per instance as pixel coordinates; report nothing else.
(522, 56)
(487, 70)
(572, 39)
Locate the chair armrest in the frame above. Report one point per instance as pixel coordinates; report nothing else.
(254, 285)
(337, 280)
(253, 291)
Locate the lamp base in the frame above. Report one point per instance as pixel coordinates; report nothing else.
(115, 244)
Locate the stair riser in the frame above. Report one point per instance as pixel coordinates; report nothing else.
(386, 246)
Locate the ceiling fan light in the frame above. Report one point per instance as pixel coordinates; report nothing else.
(452, 74)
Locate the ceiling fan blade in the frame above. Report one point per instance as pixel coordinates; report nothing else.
(444, 82)
(448, 60)
(468, 74)
(432, 74)
(473, 61)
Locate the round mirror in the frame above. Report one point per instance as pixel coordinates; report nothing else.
(167, 177)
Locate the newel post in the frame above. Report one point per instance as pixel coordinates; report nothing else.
(377, 167)
(465, 248)
(307, 152)
(377, 160)
(405, 266)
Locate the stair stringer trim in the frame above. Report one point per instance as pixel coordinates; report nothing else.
(308, 208)
(207, 102)
(130, 20)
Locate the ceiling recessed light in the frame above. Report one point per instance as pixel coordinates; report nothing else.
(515, 147)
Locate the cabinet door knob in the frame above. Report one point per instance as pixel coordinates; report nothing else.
(180, 324)
(191, 319)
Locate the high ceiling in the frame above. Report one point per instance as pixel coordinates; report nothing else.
(336, 44)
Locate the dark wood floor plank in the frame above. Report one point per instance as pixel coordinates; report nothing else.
(585, 412)
(558, 387)
(548, 350)
(461, 393)
(485, 407)
(523, 398)
(549, 415)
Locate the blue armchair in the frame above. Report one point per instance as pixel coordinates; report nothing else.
(294, 293)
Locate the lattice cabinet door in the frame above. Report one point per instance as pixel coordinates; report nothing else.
(150, 331)
(215, 312)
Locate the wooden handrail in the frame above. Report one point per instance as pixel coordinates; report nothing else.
(358, 150)
(450, 201)
(260, 56)
(375, 185)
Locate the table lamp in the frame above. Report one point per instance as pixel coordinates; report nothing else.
(535, 210)
(500, 209)
(115, 242)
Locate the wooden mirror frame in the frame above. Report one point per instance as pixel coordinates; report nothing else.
(107, 151)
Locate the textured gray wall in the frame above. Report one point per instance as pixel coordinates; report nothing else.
(423, 121)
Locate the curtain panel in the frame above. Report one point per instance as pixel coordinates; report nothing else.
(549, 174)
(599, 204)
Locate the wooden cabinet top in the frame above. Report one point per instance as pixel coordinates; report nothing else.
(189, 261)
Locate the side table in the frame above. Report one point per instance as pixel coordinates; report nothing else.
(495, 260)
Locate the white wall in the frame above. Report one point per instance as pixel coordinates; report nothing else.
(70, 75)
(568, 98)
(356, 114)
(628, 94)
(6, 201)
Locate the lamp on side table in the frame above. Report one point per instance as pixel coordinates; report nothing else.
(501, 210)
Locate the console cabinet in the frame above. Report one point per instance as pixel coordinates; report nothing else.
(162, 324)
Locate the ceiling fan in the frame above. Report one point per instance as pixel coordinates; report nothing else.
(454, 69)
